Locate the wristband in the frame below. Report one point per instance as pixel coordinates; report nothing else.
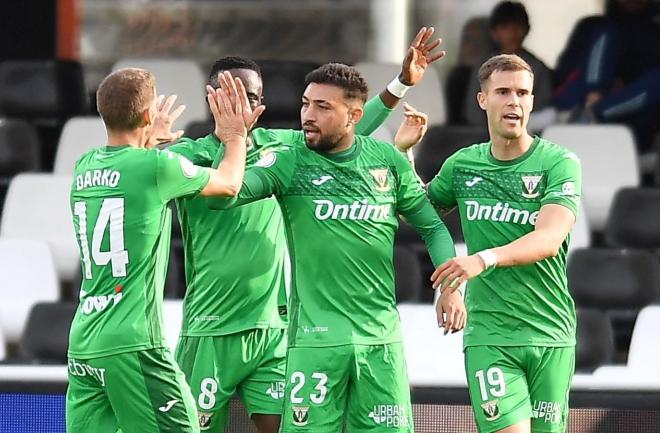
(489, 258)
(397, 88)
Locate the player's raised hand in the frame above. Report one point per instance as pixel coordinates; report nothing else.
(450, 311)
(419, 56)
(454, 272)
(231, 110)
(161, 130)
(412, 129)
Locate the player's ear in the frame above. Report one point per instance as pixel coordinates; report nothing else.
(355, 115)
(481, 100)
(147, 117)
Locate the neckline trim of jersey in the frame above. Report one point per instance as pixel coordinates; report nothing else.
(345, 155)
(108, 148)
(517, 160)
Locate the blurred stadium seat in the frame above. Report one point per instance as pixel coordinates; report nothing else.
(19, 147)
(609, 162)
(183, 78)
(581, 235)
(79, 135)
(46, 336)
(284, 84)
(44, 90)
(37, 207)
(19, 151)
(442, 141)
(431, 357)
(595, 340)
(426, 96)
(28, 275)
(613, 279)
(634, 220)
(644, 354)
(408, 275)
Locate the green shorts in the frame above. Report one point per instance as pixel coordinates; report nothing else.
(510, 384)
(137, 392)
(367, 384)
(250, 363)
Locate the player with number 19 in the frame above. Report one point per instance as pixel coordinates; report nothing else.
(121, 375)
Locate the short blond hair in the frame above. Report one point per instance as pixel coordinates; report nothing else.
(123, 96)
(502, 62)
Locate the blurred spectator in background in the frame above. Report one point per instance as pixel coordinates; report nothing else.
(610, 69)
(475, 45)
(509, 25)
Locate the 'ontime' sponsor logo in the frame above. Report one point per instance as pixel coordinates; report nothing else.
(500, 212)
(357, 211)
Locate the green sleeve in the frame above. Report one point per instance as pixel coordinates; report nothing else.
(176, 176)
(200, 152)
(440, 190)
(414, 206)
(271, 175)
(433, 231)
(564, 183)
(410, 194)
(375, 113)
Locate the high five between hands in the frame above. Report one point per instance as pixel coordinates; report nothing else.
(230, 107)
(233, 116)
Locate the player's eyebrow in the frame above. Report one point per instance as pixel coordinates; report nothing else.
(316, 101)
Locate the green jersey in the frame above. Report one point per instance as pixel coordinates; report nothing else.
(340, 218)
(118, 200)
(499, 202)
(235, 259)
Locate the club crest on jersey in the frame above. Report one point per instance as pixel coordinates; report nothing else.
(531, 186)
(204, 420)
(380, 177)
(300, 415)
(491, 410)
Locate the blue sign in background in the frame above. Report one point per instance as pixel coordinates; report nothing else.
(32, 413)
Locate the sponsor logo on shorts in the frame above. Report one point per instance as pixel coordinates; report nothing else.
(167, 406)
(81, 369)
(204, 420)
(300, 415)
(491, 410)
(548, 411)
(390, 415)
(276, 390)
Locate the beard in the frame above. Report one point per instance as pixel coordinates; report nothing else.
(325, 143)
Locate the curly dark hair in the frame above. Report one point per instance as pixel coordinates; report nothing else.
(231, 62)
(343, 76)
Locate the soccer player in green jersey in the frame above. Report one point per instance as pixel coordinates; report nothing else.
(233, 337)
(518, 199)
(121, 375)
(339, 197)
